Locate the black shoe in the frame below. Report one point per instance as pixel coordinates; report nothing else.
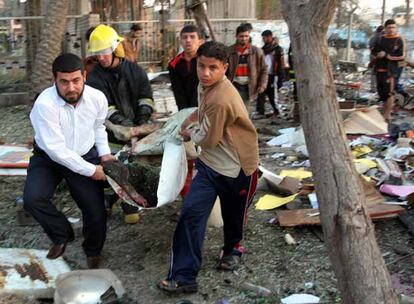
(56, 251)
(94, 262)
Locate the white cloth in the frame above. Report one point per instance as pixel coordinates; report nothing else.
(65, 132)
(269, 63)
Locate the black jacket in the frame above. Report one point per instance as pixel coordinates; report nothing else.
(184, 81)
(127, 89)
(392, 46)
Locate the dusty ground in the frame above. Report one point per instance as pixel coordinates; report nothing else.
(139, 254)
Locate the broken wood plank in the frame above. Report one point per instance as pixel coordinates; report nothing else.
(291, 218)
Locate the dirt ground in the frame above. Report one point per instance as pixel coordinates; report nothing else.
(139, 254)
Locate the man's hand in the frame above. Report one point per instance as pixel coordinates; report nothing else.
(261, 90)
(186, 134)
(381, 54)
(107, 157)
(99, 173)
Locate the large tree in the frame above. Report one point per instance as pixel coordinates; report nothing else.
(349, 233)
(50, 44)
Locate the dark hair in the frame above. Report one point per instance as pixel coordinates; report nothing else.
(67, 63)
(389, 22)
(267, 33)
(213, 49)
(89, 32)
(248, 25)
(243, 28)
(379, 29)
(191, 28)
(136, 27)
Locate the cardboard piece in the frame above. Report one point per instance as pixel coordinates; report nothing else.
(280, 184)
(291, 218)
(372, 195)
(368, 121)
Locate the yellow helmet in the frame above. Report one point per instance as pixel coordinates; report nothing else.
(105, 40)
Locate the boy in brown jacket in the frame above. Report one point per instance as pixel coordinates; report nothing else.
(227, 167)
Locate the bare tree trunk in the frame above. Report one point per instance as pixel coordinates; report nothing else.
(383, 12)
(407, 12)
(339, 14)
(32, 27)
(349, 233)
(49, 45)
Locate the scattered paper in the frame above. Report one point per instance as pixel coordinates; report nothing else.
(361, 150)
(313, 200)
(268, 202)
(364, 164)
(287, 130)
(395, 190)
(300, 298)
(278, 155)
(299, 174)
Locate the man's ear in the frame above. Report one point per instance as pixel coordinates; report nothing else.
(84, 75)
(226, 66)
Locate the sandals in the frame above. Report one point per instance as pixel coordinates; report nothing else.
(229, 262)
(174, 287)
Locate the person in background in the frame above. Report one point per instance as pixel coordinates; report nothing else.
(247, 68)
(269, 49)
(132, 43)
(388, 51)
(372, 41)
(183, 68)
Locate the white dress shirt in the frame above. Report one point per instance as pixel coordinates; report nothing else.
(65, 132)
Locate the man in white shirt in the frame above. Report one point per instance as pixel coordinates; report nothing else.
(70, 142)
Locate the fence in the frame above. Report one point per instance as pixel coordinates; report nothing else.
(159, 40)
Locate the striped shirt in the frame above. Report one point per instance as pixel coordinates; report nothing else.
(242, 71)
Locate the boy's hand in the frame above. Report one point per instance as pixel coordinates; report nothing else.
(381, 54)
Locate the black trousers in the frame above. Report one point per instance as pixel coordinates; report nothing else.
(270, 93)
(43, 176)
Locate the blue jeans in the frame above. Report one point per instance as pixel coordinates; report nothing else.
(236, 195)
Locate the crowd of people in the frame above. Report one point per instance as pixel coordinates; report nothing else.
(71, 141)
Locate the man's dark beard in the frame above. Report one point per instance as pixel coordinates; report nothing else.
(71, 102)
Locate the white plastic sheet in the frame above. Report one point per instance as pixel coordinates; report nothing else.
(173, 173)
